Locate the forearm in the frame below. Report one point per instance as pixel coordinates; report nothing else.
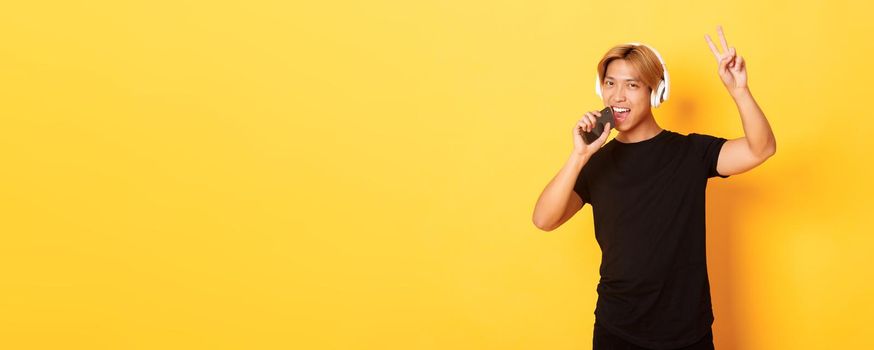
(757, 131)
(552, 204)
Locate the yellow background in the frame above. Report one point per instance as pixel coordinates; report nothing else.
(362, 174)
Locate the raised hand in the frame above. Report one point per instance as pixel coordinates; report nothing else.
(587, 124)
(732, 68)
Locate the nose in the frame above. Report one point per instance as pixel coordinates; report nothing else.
(618, 94)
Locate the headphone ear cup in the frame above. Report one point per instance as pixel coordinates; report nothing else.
(656, 98)
(667, 89)
(653, 98)
(598, 86)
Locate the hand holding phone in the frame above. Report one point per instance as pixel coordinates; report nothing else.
(598, 129)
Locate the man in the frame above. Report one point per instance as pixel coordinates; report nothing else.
(647, 192)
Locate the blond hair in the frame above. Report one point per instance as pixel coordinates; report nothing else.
(640, 57)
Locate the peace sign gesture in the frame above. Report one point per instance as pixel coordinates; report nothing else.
(732, 68)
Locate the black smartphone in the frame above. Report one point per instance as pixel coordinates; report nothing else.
(606, 116)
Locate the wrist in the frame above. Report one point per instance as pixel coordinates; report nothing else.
(739, 92)
(578, 159)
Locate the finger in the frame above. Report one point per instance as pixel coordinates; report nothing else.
(739, 64)
(712, 47)
(580, 127)
(722, 37)
(731, 59)
(723, 64)
(585, 123)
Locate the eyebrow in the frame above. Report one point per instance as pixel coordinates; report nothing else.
(609, 77)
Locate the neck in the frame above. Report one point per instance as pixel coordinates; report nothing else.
(647, 129)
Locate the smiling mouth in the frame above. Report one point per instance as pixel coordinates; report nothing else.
(620, 113)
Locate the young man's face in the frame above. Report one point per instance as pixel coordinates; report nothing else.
(622, 88)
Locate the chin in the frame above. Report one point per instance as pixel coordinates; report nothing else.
(628, 124)
(624, 126)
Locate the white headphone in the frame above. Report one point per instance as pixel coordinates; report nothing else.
(663, 90)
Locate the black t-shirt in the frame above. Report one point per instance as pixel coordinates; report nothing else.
(647, 202)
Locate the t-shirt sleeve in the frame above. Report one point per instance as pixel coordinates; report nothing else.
(581, 187)
(707, 147)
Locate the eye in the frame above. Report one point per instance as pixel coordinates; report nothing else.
(633, 85)
(609, 83)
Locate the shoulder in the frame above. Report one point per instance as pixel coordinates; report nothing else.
(705, 142)
(703, 138)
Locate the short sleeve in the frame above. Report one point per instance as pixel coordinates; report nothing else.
(707, 148)
(581, 187)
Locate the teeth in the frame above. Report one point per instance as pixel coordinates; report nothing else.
(620, 109)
